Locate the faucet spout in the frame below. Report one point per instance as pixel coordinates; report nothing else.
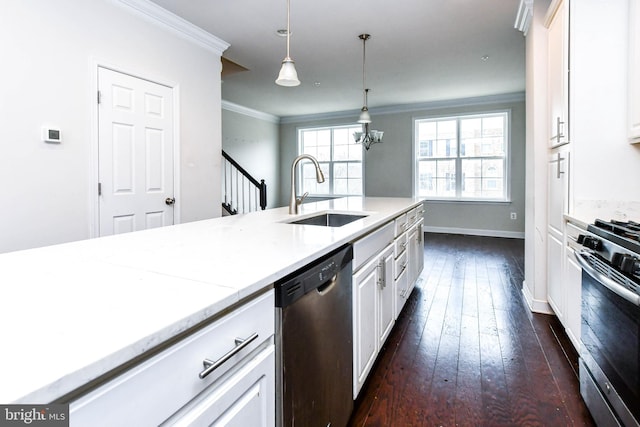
(294, 202)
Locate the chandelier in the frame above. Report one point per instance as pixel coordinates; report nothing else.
(367, 137)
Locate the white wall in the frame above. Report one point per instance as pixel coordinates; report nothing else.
(389, 166)
(535, 248)
(252, 139)
(49, 51)
(606, 166)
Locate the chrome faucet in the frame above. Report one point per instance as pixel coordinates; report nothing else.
(294, 201)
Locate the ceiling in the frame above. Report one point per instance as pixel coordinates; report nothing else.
(420, 51)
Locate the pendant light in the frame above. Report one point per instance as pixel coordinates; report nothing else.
(288, 75)
(366, 137)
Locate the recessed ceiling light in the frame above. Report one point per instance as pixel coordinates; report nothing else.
(484, 58)
(316, 84)
(282, 33)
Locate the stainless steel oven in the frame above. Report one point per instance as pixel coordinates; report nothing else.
(610, 330)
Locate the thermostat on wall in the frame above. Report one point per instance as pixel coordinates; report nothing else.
(51, 135)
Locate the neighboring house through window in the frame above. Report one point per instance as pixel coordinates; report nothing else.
(463, 157)
(340, 159)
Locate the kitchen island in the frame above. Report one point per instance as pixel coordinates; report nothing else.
(72, 313)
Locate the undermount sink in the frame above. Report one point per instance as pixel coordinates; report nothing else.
(329, 219)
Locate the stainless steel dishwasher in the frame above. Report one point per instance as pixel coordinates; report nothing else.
(314, 348)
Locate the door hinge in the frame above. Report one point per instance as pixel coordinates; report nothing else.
(99, 97)
(99, 189)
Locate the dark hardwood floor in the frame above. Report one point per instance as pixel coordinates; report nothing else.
(466, 351)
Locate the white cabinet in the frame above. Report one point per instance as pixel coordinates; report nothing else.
(167, 386)
(573, 285)
(634, 72)
(557, 207)
(557, 22)
(416, 254)
(564, 280)
(245, 399)
(556, 292)
(386, 303)
(558, 189)
(386, 265)
(373, 312)
(364, 327)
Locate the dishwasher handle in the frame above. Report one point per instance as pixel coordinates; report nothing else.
(327, 287)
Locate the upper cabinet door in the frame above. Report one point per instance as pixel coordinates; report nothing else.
(634, 72)
(557, 22)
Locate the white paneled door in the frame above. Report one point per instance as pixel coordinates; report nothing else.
(135, 150)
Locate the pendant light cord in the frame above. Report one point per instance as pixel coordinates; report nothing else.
(288, 25)
(364, 58)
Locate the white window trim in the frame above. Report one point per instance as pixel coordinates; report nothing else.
(416, 157)
(298, 171)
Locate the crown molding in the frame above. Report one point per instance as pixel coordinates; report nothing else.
(185, 29)
(408, 108)
(524, 16)
(230, 106)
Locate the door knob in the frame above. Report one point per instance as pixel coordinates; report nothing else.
(170, 201)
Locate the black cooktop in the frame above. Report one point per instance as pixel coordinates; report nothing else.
(623, 233)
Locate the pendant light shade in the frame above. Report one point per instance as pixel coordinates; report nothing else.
(288, 75)
(365, 117)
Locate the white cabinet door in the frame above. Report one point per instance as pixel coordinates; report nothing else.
(573, 284)
(558, 72)
(558, 185)
(386, 303)
(555, 277)
(245, 399)
(634, 72)
(401, 281)
(416, 255)
(365, 292)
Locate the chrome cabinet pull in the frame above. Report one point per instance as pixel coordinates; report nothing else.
(559, 135)
(382, 280)
(558, 161)
(211, 366)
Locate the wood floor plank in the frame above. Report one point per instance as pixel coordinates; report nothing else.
(466, 351)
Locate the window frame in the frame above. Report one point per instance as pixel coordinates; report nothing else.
(331, 163)
(458, 158)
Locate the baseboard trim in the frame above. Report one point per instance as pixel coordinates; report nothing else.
(475, 232)
(536, 306)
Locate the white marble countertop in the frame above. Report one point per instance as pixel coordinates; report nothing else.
(70, 313)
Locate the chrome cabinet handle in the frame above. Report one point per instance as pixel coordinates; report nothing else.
(211, 366)
(558, 161)
(382, 280)
(559, 135)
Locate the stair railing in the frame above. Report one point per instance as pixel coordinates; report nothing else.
(242, 192)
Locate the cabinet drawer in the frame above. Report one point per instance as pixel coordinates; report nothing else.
(372, 244)
(400, 264)
(415, 215)
(400, 224)
(400, 245)
(150, 392)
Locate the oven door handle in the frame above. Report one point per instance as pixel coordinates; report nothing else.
(606, 282)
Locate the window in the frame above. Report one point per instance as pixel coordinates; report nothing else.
(463, 157)
(340, 159)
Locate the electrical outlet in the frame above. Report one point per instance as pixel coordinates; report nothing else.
(514, 215)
